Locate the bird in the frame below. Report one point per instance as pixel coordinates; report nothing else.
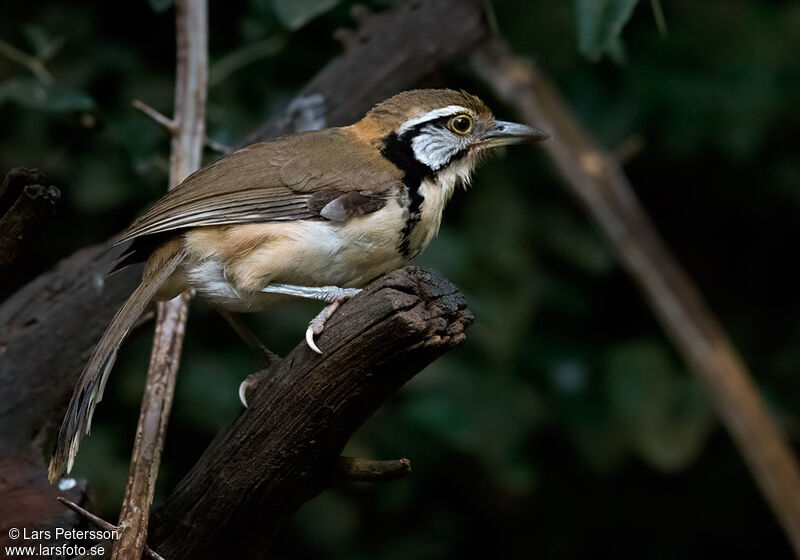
(316, 214)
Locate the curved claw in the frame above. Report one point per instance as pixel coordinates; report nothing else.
(243, 392)
(310, 340)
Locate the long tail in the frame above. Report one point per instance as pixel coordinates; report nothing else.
(89, 390)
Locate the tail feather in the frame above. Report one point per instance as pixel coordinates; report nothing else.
(92, 382)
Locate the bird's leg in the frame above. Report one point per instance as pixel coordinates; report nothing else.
(332, 295)
(266, 356)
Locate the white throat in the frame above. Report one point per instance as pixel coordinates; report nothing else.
(436, 194)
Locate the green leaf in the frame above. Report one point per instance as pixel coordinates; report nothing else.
(160, 6)
(599, 24)
(577, 243)
(294, 14)
(328, 521)
(441, 416)
(28, 92)
(664, 413)
(38, 38)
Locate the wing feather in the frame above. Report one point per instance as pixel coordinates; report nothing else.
(276, 181)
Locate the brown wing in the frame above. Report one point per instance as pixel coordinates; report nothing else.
(327, 174)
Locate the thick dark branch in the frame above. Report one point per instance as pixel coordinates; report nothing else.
(24, 204)
(389, 52)
(47, 330)
(285, 447)
(599, 183)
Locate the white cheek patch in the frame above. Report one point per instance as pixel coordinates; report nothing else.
(429, 116)
(435, 146)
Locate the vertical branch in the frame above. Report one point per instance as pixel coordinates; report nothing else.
(186, 152)
(599, 183)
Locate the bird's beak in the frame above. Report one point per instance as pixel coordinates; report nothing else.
(505, 133)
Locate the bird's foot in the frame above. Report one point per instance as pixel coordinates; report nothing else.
(249, 382)
(334, 298)
(332, 295)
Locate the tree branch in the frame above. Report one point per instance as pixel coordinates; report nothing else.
(170, 125)
(369, 470)
(154, 114)
(101, 523)
(390, 52)
(284, 448)
(599, 183)
(188, 135)
(24, 204)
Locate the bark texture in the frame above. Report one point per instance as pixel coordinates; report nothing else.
(284, 449)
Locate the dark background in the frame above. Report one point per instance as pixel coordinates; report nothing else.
(566, 426)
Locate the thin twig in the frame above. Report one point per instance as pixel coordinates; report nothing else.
(31, 62)
(145, 318)
(629, 148)
(212, 144)
(370, 470)
(491, 17)
(249, 54)
(601, 186)
(154, 114)
(266, 356)
(101, 523)
(658, 15)
(171, 126)
(188, 133)
(98, 522)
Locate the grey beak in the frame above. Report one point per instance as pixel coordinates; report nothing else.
(505, 133)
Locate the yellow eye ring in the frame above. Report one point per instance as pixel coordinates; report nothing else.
(460, 124)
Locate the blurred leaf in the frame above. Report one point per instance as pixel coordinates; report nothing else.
(665, 413)
(38, 39)
(638, 380)
(294, 14)
(599, 24)
(97, 187)
(210, 399)
(569, 376)
(595, 434)
(577, 243)
(674, 440)
(108, 475)
(442, 416)
(159, 6)
(328, 521)
(27, 91)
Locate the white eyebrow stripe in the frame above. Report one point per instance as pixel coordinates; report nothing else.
(431, 115)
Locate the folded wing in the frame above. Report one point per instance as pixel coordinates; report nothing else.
(326, 175)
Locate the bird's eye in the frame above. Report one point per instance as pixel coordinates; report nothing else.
(461, 124)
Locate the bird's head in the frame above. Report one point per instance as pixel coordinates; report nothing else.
(428, 131)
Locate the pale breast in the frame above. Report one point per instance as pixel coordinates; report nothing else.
(231, 264)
